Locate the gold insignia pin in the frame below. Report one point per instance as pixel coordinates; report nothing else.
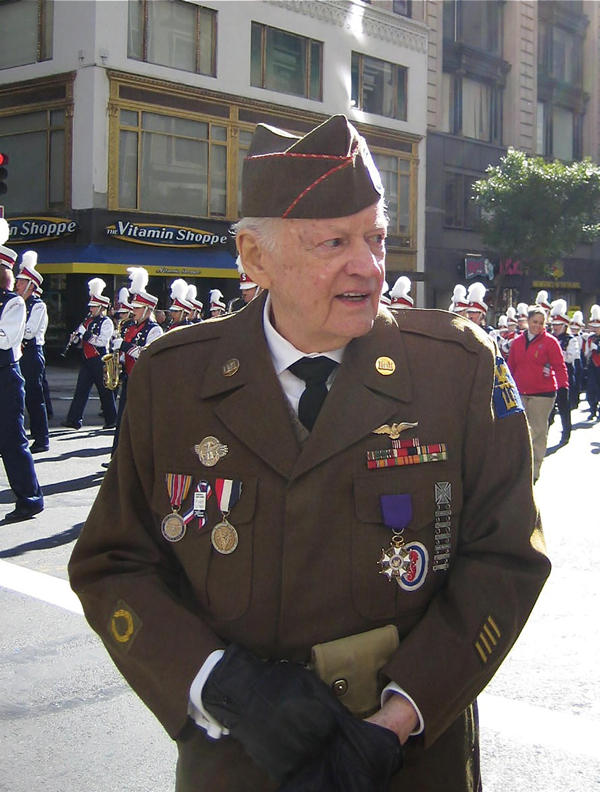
(395, 430)
(210, 450)
(231, 367)
(385, 366)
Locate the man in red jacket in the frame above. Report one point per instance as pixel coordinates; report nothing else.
(537, 364)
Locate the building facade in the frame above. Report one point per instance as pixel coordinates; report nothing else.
(126, 123)
(523, 73)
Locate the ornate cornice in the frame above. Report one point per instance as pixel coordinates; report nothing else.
(366, 20)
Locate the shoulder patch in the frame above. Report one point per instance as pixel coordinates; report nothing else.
(506, 396)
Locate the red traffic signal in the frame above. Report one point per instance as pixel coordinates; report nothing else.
(3, 173)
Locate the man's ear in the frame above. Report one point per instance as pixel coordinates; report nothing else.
(254, 258)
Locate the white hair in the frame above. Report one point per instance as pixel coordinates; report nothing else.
(267, 229)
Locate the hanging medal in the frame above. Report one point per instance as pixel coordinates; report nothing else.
(198, 508)
(396, 511)
(173, 525)
(224, 537)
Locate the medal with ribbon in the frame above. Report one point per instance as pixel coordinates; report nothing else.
(224, 537)
(198, 508)
(396, 511)
(173, 525)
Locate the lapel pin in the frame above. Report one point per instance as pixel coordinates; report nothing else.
(385, 366)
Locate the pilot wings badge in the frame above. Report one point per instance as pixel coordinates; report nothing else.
(395, 430)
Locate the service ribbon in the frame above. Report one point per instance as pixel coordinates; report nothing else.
(228, 493)
(178, 486)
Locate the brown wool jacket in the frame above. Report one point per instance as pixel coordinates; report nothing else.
(310, 529)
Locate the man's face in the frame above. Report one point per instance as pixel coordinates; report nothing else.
(475, 316)
(22, 287)
(176, 316)
(249, 294)
(95, 310)
(325, 278)
(558, 328)
(139, 314)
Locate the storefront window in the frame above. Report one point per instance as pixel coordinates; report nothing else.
(379, 87)
(173, 33)
(35, 144)
(285, 62)
(396, 177)
(26, 32)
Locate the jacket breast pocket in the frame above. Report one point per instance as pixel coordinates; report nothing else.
(218, 584)
(375, 595)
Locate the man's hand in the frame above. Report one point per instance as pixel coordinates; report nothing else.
(397, 715)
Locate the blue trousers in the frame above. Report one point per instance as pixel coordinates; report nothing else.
(90, 374)
(14, 447)
(33, 366)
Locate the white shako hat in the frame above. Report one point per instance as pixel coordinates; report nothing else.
(475, 297)
(139, 296)
(459, 299)
(511, 316)
(577, 320)
(503, 322)
(542, 300)
(179, 289)
(594, 316)
(399, 293)
(522, 311)
(28, 269)
(246, 281)
(8, 256)
(558, 312)
(192, 297)
(217, 300)
(123, 304)
(383, 297)
(96, 286)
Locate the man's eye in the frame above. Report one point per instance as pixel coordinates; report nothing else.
(332, 243)
(378, 239)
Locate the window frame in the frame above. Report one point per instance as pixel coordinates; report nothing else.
(358, 60)
(462, 201)
(455, 107)
(45, 32)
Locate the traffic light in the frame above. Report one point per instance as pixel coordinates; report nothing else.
(3, 173)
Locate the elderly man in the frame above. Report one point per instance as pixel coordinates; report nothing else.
(289, 487)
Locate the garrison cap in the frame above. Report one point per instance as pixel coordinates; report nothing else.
(327, 173)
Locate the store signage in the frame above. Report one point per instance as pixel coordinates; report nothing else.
(39, 229)
(164, 235)
(511, 267)
(476, 265)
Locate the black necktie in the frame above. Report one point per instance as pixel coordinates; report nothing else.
(315, 373)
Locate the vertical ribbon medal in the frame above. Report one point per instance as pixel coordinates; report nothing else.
(173, 525)
(198, 508)
(224, 537)
(396, 511)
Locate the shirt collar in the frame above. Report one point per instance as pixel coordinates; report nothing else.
(282, 352)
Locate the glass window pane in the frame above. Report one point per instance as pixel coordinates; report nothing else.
(128, 169)
(128, 118)
(562, 134)
(355, 70)
(57, 118)
(28, 155)
(476, 109)
(388, 168)
(207, 38)
(286, 62)
(57, 168)
(564, 56)
(18, 34)
(315, 91)
(171, 34)
(135, 30)
(447, 102)
(154, 122)
(174, 175)
(451, 199)
(218, 133)
(48, 31)
(541, 129)
(218, 181)
(401, 76)
(404, 212)
(256, 56)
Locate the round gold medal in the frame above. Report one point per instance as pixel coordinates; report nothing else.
(224, 538)
(173, 527)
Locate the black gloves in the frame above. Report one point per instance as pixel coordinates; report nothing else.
(282, 714)
(362, 758)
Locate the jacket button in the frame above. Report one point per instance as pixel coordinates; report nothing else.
(340, 686)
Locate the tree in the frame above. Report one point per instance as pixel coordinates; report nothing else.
(536, 211)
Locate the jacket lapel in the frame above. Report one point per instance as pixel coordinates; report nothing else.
(361, 398)
(252, 404)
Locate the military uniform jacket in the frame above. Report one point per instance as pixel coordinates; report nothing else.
(310, 523)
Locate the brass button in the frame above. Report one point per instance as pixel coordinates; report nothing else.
(340, 686)
(385, 366)
(231, 367)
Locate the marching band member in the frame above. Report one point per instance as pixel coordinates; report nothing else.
(217, 306)
(249, 290)
(192, 297)
(592, 354)
(14, 448)
(180, 307)
(33, 363)
(400, 294)
(559, 326)
(459, 302)
(93, 336)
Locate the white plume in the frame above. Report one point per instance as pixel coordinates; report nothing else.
(96, 286)
(239, 265)
(401, 288)
(139, 279)
(522, 309)
(476, 292)
(216, 296)
(178, 289)
(511, 314)
(4, 230)
(192, 292)
(559, 308)
(577, 318)
(124, 296)
(542, 297)
(503, 322)
(459, 293)
(595, 313)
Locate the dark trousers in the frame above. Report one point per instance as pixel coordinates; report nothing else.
(47, 399)
(122, 403)
(593, 387)
(14, 447)
(90, 374)
(33, 367)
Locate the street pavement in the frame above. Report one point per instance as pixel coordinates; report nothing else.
(68, 721)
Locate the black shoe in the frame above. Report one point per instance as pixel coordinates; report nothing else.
(110, 426)
(70, 425)
(23, 513)
(105, 464)
(37, 448)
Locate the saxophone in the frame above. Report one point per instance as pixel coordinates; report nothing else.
(111, 374)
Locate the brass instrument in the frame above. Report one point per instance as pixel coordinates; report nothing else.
(111, 374)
